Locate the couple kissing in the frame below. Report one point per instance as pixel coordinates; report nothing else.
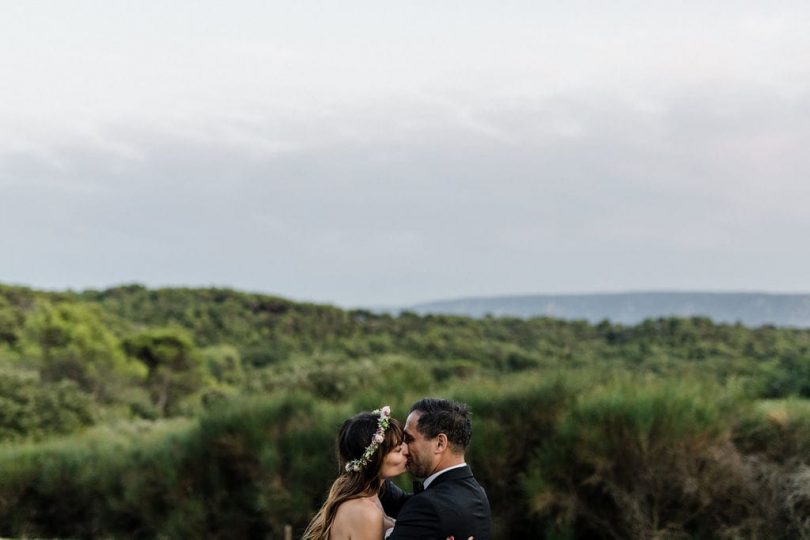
(373, 447)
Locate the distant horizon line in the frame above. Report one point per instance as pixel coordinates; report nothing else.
(757, 292)
(478, 297)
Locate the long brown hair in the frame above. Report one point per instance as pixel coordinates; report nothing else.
(354, 436)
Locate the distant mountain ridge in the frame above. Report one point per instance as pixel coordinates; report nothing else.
(750, 309)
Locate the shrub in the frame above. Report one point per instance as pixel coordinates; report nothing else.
(31, 409)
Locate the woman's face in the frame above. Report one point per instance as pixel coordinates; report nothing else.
(394, 462)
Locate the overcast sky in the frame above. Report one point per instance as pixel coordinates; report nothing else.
(376, 152)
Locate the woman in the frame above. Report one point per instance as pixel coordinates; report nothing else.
(370, 449)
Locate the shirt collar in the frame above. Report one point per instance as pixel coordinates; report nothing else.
(433, 476)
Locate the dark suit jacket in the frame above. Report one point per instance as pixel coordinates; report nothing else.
(453, 504)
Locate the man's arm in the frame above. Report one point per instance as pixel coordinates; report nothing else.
(392, 498)
(418, 520)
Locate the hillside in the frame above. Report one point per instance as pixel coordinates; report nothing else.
(186, 413)
(750, 309)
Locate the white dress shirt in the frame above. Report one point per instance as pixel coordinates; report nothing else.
(433, 476)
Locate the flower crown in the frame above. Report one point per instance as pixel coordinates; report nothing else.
(376, 440)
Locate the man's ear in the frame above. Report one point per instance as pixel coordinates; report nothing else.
(441, 442)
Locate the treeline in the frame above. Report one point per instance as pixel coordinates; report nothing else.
(209, 412)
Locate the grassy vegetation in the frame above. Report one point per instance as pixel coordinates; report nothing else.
(189, 413)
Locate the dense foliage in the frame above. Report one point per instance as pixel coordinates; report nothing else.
(215, 413)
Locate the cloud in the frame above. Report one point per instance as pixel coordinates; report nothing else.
(396, 202)
(340, 154)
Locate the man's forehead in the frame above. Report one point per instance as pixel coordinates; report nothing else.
(411, 422)
(413, 418)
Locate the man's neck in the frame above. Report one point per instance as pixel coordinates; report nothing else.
(444, 466)
(447, 461)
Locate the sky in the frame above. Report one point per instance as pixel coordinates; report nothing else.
(388, 153)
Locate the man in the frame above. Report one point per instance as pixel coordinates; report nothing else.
(437, 432)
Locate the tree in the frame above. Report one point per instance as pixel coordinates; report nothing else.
(9, 323)
(175, 368)
(30, 408)
(70, 341)
(224, 363)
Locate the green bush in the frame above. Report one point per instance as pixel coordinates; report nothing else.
(31, 409)
(240, 472)
(513, 419)
(70, 341)
(650, 459)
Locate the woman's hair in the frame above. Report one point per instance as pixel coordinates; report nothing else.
(355, 436)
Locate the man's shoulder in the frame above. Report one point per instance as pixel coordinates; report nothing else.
(457, 492)
(461, 484)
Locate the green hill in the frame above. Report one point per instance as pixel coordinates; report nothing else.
(211, 412)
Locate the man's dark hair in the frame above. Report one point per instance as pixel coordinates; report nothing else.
(452, 418)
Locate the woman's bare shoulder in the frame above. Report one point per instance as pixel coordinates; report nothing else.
(356, 515)
(362, 507)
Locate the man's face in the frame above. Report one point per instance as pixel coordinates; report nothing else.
(420, 449)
